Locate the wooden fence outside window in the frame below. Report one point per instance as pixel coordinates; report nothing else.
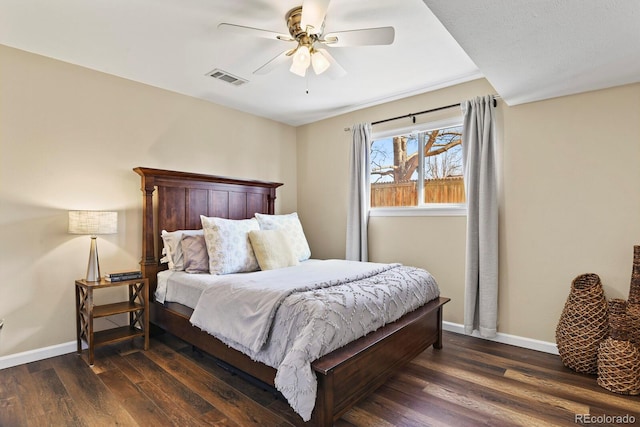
(391, 194)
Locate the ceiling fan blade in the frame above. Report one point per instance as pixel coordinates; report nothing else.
(313, 13)
(335, 70)
(250, 31)
(364, 37)
(273, 63)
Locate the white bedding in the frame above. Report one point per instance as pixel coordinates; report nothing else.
(182, 287)
(186, 288)
(288, 324)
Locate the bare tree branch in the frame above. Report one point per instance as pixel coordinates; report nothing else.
(443, 149)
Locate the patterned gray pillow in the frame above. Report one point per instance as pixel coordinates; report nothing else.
(228, 244)
(194, 249)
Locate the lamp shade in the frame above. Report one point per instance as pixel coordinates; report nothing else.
(93, 222)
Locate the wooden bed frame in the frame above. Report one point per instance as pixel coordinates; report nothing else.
(175, 200)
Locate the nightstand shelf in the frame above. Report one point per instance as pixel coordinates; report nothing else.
(110, 336)
(116, 308)
(86, 311)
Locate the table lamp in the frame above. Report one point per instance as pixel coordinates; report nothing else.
(93, 223)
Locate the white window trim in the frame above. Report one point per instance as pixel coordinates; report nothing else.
(434, 209)
(424, 209)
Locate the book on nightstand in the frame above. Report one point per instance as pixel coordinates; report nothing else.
(121, 276)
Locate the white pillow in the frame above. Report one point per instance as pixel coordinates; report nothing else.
(228, 244)
(173, 247)
(291, 226)
(272, 249)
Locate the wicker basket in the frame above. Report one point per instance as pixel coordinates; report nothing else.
(634, 291)
(618, 359)
(633, 308)
(618, 320)
(633, 312)
(583, 324)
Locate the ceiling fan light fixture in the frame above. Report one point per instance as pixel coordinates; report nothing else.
(319, 62)
(298, 69)
(301, 61)
(306, 30)
(302, 56)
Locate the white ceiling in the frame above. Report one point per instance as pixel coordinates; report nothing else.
(538, 49)
(527, 49)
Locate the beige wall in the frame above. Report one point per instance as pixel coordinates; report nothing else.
(570, 201)
(69, 138)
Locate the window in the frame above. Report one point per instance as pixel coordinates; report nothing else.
(418, 169)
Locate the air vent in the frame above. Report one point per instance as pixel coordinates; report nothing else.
(226, 77)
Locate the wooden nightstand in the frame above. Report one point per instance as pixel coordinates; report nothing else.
(86, 311)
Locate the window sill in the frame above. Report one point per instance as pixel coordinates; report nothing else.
(433, 210)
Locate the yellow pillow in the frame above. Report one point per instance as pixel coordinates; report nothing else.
(272, 249)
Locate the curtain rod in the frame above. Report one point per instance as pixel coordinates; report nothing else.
(413, 115)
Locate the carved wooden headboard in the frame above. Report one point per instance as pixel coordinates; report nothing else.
(175, 200)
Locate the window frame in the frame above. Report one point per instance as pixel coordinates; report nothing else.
(422, 209)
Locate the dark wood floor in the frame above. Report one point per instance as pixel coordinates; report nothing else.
(469, 382)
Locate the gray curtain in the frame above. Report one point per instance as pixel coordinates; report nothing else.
(481, 278)
(359, 193)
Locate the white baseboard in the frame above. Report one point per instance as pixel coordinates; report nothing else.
(38, 354)
(544, 346)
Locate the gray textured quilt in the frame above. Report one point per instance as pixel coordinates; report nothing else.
(289, 317)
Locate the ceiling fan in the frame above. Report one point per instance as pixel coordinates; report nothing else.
(306, 29)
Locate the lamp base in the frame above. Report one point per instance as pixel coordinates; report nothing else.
(93, 268)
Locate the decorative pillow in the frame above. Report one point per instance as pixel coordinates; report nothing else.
(291, 226)
(272, 249)
(228, 244)
(173, 247)
(194, 249)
